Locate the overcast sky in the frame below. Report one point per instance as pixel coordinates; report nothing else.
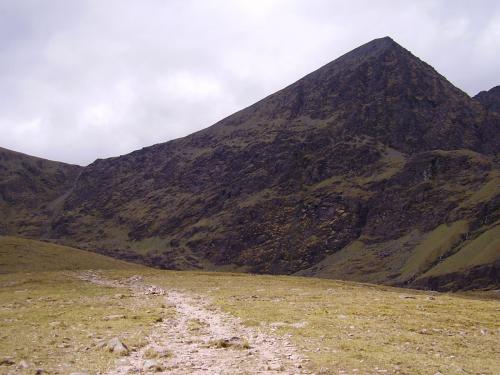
(82, 79)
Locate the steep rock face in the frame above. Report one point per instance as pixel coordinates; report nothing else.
(490, 99)
(342, 174)
(31, 192)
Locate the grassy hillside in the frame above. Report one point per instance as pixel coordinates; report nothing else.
(24, 255)
(434, 246)
(449, 252)
(56, 321)
(485, 249)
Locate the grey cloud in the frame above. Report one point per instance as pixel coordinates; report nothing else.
(89, 79)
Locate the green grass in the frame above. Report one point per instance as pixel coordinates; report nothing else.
(486, 192)
(436, 244)
(346, 326)
(484, 249)
(365, 262)
(55, 321)
(20, 255)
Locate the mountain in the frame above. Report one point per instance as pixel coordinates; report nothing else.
(372, 168)
(32, 191)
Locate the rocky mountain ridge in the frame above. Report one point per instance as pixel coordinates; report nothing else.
(372, 168)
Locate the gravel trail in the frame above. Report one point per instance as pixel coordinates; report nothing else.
(201, 339)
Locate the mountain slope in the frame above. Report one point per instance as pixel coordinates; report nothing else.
(375, 148)
(32, 191)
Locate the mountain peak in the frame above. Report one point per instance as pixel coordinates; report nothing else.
(378, 90)
(386, 40)
(372, 48)
(378, 44)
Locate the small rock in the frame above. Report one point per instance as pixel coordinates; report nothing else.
(79, 373)
(23, 364)
(122, 362)
(39, 371)
(135, 278)
(116, 346)
(101, 344)
(151, 365)
(275, 367)
(154, 290)
(299, 324)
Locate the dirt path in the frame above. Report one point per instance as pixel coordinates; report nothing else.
(201, 339)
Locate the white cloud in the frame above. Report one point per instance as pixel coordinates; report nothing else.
(188, 86)
(88, 79)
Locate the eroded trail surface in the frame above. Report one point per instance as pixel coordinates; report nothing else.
(201, 339)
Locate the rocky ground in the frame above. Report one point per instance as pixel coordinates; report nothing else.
(200, 339)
